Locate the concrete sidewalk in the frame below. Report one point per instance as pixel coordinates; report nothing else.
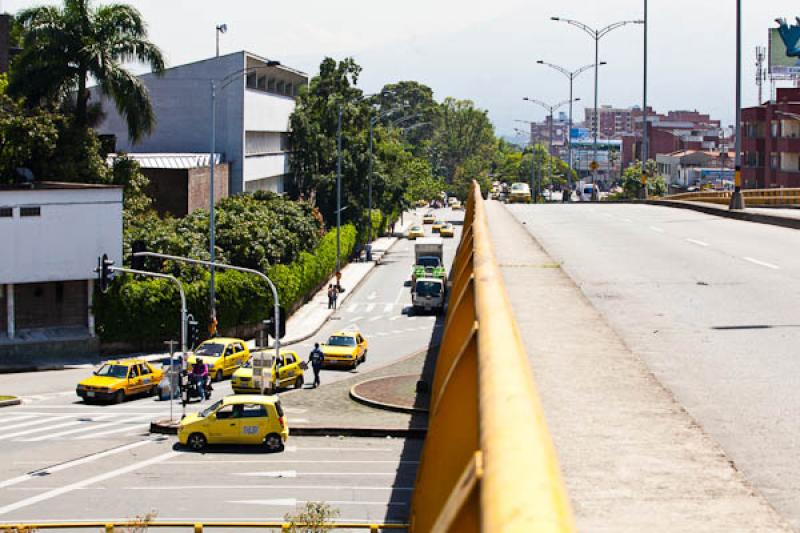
(632, 458)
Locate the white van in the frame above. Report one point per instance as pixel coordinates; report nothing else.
(585, 191)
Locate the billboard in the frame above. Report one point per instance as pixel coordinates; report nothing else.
(781, 64)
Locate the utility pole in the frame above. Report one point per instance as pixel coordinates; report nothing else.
(645, 147)
(338, 191)
(211, 202)
(737, 199)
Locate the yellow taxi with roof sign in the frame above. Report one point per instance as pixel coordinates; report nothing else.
(117, 380)
(416, 231)
(447, 230)
(286, 371)
(346, 348)
(223, 356)
(428, 218)
(237, 419)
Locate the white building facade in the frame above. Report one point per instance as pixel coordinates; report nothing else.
(254, 100)
(54, 233)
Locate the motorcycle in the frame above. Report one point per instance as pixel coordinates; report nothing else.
(189, 388)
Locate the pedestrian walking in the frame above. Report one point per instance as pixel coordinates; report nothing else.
(331, 296)
(316, 357)
(335, 294)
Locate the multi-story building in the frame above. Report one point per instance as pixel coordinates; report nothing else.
(540, 133)
(687, 168)
(53, 234)
(614, 121)
(771, 142)
(254, 100)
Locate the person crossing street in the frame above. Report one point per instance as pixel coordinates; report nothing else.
(316, 357)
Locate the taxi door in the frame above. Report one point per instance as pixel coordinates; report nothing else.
(255, 424)
(229, 359)
(224, 427)
(289, 369)
(147, 377)
(362, 345)
(242, 354)
(134, 385)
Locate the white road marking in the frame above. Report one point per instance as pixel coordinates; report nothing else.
(761, 263)
(15, 418)
(402, 292)
(656, 229)
(626, 220)
(372, 295)
(87, 428)
(398, 317)
(370, 307)
(71, 464)
(412, 318)
(39, 422)
(288, 502)
(254, 487)
(376, 318)
(46, 428)
(388, 308)
(94, 435)
(698, 243)
(352, 308)
(85, 483)
(277, 473)
(356, 318)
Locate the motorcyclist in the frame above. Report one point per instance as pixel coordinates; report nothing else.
(200, 375)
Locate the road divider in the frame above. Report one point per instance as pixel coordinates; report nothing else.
(488, 463)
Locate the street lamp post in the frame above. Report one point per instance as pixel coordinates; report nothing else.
(571, 75)
(227, 80)
(338, 191)
(551, 109)
(737, 199)
(645, 143)
(596, 34)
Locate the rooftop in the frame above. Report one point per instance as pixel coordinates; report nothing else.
(175, 161)
(54, 185)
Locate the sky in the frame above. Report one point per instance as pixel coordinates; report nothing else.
(487, 51)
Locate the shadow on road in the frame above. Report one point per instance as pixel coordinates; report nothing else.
(400, 498)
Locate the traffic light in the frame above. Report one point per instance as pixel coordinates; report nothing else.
(271, 325)
(137, 262)
(193, 332)
(104, 271)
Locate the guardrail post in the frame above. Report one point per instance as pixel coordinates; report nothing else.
(109, 528)
(198, 528)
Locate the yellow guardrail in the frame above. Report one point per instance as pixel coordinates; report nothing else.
(488, 463)
(195, 527)
(752, 197)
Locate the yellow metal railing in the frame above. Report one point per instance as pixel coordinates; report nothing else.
(195, 527)
(752, 197)
(488, 463)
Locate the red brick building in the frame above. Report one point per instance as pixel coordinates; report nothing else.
(771, 142)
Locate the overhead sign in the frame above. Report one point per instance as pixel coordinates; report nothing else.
(784, 50)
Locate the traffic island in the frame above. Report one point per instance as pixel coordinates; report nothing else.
(165, 427)
(8, 401)
(393, 393)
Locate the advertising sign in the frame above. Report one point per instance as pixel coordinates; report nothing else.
(782, 42)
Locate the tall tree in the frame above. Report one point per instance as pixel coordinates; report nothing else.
(63, 46)
(413, 100)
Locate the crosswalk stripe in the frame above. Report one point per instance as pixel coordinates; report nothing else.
(398, 317)
(388, 308)
(104, 433)
(45, 428)
(376, 318)
(36, 422)
(370, 307)
(73, 431)
(15, 418)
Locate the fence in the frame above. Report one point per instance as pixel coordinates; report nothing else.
(195, 527)
(488, 463)
(752, 197)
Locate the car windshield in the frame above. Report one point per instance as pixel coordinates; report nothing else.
(210, 409)
(213, 349)
(336, 340)
(429, 288)
(416, 228)
(519, 187)
(113, 371)
(428, 261)
(587, 190)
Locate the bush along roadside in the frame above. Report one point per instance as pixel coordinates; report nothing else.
(140, 313)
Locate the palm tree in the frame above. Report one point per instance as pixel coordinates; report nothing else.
(63, 46)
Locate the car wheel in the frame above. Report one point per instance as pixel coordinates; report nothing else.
(218, 376)
(364, 357)
(119, 397)
(197, 441)
(273, 442)
(298, 382)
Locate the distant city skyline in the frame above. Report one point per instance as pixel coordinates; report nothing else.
(487, 52)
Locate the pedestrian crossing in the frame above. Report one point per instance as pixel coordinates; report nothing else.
(370, 308)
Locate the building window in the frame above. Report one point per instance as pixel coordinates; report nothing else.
(6, 212)
(30, 211)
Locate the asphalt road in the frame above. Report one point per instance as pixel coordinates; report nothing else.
(65, 460)
(710, 305)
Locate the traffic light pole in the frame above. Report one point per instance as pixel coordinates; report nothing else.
(277, 307)
(184, 314)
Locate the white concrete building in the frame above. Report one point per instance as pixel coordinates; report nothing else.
(253, 103)
(52, 234)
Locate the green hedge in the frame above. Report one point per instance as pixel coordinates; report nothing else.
(144, 312)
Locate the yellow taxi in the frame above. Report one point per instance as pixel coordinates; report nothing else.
(222, 355)
(415, 231)
(447, 230)
(520, 193)
(240, 419)
(116, 380)
(428, 218)
(345, 348)
(437, 225)
(457, 206)
(286, 371)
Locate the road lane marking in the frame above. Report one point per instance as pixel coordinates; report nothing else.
(698, 243)
(83, 429)
(253, 487)
(376, 318)
(626, 219)
(94, 435)
(27, 502)
(398, 317)
(656, 229)
(388, 308)
(39, 423)
(761, 263)
(15, 418)
(402, 292)
(370, 307)
(356, 318)
(49, 417)
(71, 464)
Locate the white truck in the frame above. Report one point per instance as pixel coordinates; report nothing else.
(428, 260)
(428, 295)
